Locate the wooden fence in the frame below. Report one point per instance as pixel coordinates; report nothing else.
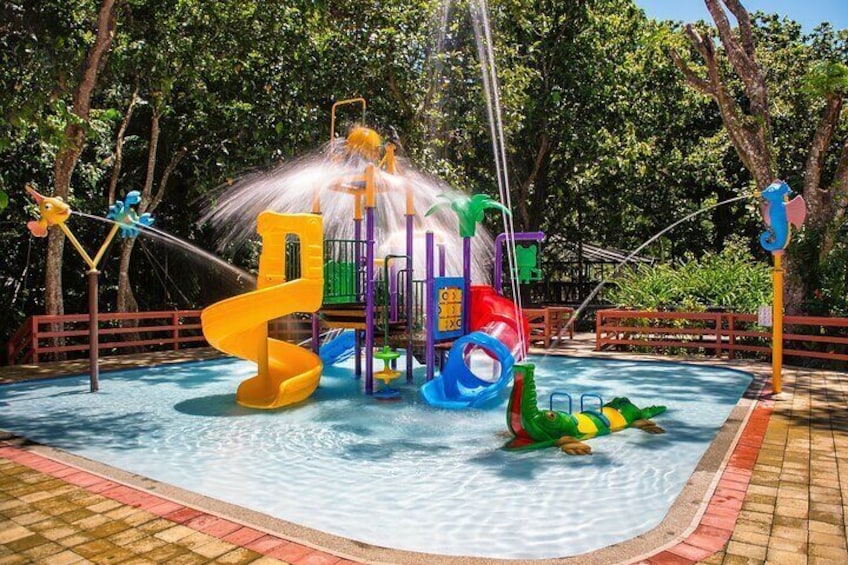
(546, 323)
(721, 333)
(41, 337)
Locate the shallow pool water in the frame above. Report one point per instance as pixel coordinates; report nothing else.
(400, 474)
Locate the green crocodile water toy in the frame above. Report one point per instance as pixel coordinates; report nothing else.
(535, 429)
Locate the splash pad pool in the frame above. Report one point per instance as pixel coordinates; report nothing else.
(402, 475)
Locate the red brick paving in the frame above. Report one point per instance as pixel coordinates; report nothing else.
(226, 530)
(724, 506)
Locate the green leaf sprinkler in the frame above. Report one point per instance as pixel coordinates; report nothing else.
(386, 374)
(533, 428)
(469, 210)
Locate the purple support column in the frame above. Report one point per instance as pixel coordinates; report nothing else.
(357, 258)
(410, 225)
(442, 260)
(315, 333)
(357, 366)
(466, 276)
(369, 300)
(430, 352)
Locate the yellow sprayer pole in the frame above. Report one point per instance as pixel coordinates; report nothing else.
(370, 187)
(93, 313)
(109, 237)
(390, 159)
(777, 325)
(316, 201)
(357, 206)
(410, 201)
(77, 246)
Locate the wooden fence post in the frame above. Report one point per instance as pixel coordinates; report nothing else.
(34, 333)
(175, 321)
(598, 322)
(731, 332)
(718, 322)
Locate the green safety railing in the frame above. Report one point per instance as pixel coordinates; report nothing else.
(292, 257)
(344, 283)
(418, 305)
(344, 280)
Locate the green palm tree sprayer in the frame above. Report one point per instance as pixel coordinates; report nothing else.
(470, 211)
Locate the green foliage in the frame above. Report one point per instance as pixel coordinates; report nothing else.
(831, 297)
(731, 279)
(825, 78)
(605, 143)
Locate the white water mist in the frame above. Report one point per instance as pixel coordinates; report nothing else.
(290, 188)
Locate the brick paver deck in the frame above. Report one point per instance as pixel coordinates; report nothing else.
(781, 499)
(796, 501)
(56, 514)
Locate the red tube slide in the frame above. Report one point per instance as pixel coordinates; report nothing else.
(487, 306)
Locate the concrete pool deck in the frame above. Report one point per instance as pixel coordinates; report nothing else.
(772, 488)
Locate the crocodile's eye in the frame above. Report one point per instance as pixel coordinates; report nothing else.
(550, 415)
(48, 206)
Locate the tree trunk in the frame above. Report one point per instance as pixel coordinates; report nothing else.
(825, 209)
(524, 202)
(126, 296)
(795, 289)
(540, 195)
(118, 157)
(67, 157)
(53, 303)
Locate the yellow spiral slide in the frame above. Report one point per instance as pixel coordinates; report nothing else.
(238, 326)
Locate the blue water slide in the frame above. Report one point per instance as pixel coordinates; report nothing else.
(338, 349)
(457, 387)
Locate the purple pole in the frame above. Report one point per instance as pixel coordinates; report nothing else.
(409, 272)
(316, 324)
(357, 341)
(442, 260)
(537, 236)
(369, 300)
(466, 277)
(315, 333)
(430, 352)
(357, 261)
